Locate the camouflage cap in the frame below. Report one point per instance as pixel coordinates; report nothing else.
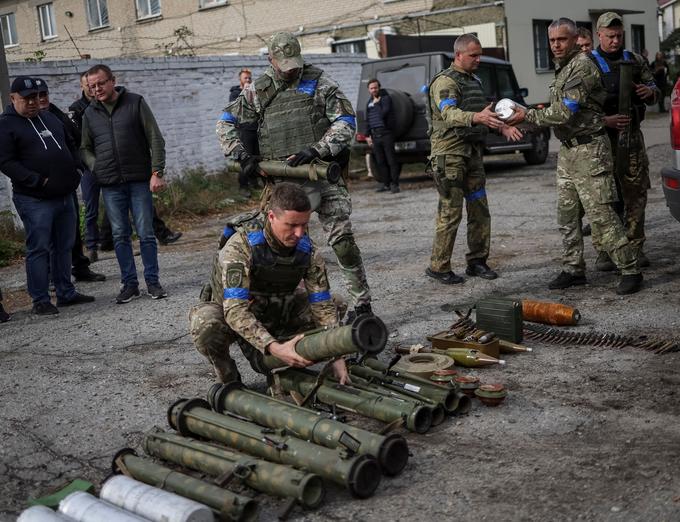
(284, 48)
(607, 18)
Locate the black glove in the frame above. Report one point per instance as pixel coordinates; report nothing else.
(303, 157)
(249, 164)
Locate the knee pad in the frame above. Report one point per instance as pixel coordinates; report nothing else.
(347, 252)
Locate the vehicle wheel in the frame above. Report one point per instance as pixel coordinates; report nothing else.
(402, 110)
(538, 154)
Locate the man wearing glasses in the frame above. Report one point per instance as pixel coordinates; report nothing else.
(124, 148)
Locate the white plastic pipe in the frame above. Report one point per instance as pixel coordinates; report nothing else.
(83, 507)
(153, 503)
(42, 514)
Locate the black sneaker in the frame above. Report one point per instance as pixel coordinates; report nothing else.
(384, 188)
(44, 308)
(127, 294)
(87, 275)
(629, 284)
(4, 316)
(156, 291)
(395, 189)
(565, 280)
(169, 238)
(480, 269)
(448, 278)
(77, 299)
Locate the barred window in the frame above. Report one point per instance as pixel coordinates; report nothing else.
(97, 13)
(148, 8)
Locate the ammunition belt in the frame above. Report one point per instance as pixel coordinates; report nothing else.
(582, 140)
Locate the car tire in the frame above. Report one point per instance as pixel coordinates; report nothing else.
(372, 168)
(539, 148)
(403, 110)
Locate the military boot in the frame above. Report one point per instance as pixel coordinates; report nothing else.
(643, 260)
(604, 263)
(629, 284)
(565, 280)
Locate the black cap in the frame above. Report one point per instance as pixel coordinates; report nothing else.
(24, 86)
(41, 84)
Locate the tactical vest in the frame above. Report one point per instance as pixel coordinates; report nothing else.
(473, 100)
(270, 273)
(610, 72)
(291, 119)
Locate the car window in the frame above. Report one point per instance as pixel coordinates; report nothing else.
(506, 85)
(409, 79)
(485, 74)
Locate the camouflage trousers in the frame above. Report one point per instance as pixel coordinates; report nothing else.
(212, 336)
(333, 204)
(584, 177)
(460, 179)
(633, 187)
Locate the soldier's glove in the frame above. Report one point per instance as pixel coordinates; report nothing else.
(249, 163)
(303, 157)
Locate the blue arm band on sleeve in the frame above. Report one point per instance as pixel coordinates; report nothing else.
(227, 116)
(572, 105)
(349, 120)
(478, 194)
(236, 293)
(447, 102)
(319, 297)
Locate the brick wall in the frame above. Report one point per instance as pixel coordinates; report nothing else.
(187, 95)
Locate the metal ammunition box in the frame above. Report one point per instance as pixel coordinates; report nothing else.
(501, 315)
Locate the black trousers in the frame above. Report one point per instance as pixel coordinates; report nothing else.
(248, 136)
(79, 261)
(385, 158)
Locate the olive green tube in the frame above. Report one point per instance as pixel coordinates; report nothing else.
(360, 474)
(454, 401)
(229, 505)
(367, 334)
(417, 417)
(274, 479)
(391, 450)
(329, 171)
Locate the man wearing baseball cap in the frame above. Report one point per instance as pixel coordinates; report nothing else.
(302, 117)
(634, 185)
(37, 155)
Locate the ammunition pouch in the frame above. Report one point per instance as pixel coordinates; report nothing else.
(444, 184)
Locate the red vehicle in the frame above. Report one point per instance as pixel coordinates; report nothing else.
(670, 176)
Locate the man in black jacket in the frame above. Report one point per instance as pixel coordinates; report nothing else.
(380, 137)
(247, 134)
(37, 155)
(123, 146)
(81, 263)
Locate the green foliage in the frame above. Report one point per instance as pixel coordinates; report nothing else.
(38, 56)
(11, 239)
(197, 193)
(671, 42)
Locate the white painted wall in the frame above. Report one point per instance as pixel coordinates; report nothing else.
(521, 13)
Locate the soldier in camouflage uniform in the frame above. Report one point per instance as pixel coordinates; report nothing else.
(255, 297)
(302, 117)
(634, 184)
(584, 166)
(460, 121)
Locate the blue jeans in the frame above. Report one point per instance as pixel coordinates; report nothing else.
(50, 226)
(90, 190)
(119, 201)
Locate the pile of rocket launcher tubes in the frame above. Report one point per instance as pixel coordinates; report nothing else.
(243, 440)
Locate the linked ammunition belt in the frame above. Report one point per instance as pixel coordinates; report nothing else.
(548, 334)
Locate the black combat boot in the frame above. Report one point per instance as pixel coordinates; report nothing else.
(629, 284)
(565, 280)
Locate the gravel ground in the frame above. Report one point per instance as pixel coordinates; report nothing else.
(586, 432)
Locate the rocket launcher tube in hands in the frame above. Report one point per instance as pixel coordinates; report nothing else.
(417, 417)
(230, 505)
(391, 450)
(367, 334)
(360, 474)
(330, 171)
(270, 478)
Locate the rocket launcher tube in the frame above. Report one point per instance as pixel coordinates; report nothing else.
(360, 474)
(270, 478)
(367, 334)
(317, 170)
(417, 416)
(229, 505)
(391, 450)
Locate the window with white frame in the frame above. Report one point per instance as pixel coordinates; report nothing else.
(97, 13)
(148, 8)
(349, 46)
(542, 56)
(9, 30)
(210, 3)
(48, 27)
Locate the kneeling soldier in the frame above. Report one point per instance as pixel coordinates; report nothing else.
(256, 296)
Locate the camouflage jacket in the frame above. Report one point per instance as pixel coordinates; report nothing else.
(577, 96)
(248, 109)
(444, 96)
(245, 313)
